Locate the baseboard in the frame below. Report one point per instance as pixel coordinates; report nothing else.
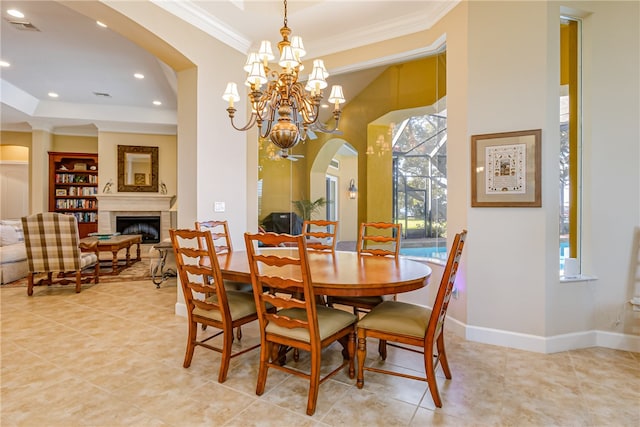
(618, 341)
(528, 342)
(181, 309)
(551, 344)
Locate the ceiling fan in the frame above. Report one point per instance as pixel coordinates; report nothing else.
(284, 154)
(294, 157)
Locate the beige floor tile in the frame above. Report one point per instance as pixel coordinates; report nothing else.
(112, 356)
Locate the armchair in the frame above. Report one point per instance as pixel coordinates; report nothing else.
(53, 246)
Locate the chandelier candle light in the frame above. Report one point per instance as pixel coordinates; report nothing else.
(293, 106)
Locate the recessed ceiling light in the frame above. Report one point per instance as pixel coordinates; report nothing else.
(53, 95)
(157, 103)
(15, 13)
(4, 64)
(102, 24)
(138, 76)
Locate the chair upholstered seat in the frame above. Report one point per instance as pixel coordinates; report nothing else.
(300, 323)
(241, 304)
(200, 274)
(398, 318)
(399, 324)
(221, 244)
(330, 321)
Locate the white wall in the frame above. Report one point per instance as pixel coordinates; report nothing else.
(612, 159)
(515, 296)
(14, 189)
(507, 91)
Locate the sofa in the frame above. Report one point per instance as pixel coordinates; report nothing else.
(13, 254)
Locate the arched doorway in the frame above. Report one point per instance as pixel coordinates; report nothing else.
(335, 165)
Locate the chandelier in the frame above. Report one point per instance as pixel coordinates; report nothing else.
(286, 109)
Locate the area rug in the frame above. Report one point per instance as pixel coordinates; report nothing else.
(138, 271)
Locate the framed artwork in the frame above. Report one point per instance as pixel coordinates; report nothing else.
(61, 192)
(140, 178)
(505, 169)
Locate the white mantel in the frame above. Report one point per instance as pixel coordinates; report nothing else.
(111, 206)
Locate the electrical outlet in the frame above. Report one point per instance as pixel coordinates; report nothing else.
(218, 207)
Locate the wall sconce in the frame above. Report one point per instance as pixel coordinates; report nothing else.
(353, 191)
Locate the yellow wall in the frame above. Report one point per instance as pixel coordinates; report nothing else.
(108, 156)
(11, 138)
(282, 182)
(402, 86)
(14, 153)
(75, 144)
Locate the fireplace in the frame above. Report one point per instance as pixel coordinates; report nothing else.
(112, 206)
(147, 226)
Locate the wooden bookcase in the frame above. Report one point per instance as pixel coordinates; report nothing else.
(73, 185)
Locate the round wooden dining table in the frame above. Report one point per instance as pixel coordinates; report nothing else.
(342, 273)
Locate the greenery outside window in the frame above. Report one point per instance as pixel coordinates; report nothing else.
(419, 147)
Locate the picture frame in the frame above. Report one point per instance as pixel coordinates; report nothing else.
(506, 169)
(61, 192)
(140, 179)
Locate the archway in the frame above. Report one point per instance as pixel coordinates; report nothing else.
(333, 168)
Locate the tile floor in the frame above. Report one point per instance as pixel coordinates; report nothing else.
(112, 356)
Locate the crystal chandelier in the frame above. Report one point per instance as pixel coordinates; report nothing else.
(287, 108)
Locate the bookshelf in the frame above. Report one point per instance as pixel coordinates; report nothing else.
(73, 185)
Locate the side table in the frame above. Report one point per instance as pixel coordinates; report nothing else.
(158, 272)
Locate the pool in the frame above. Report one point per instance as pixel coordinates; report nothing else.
(439, 252)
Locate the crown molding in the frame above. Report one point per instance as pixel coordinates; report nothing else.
(437, 46)
(381, 31)
(190, 12)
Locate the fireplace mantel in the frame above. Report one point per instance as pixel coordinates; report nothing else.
(134, 204)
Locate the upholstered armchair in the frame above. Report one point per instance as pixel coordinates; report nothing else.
(53, 246)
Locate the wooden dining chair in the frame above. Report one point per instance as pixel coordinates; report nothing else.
(219, 308)
(379, 238)
(222, 242)
(399, 323)
(321, 235)
(374, 239)
(219, 231)
(298, 323)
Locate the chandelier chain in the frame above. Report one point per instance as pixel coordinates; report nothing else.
(285, 13)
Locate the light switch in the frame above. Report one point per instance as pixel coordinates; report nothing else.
(218, 207)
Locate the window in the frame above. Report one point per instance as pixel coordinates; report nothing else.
(331, 183)
(419, 148)
(570, 141)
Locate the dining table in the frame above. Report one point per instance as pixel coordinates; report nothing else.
(341, 273)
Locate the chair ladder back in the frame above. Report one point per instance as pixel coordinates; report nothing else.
(218, 230)
(441, 303)
(277, 278)
(320, 240)
(386, 241)
(195, 276)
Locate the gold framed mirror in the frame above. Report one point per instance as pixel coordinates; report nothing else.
(137, 168)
